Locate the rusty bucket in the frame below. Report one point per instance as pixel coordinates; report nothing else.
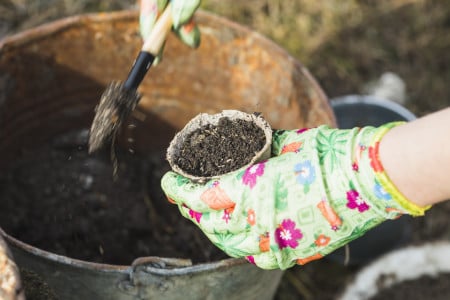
(51, 78)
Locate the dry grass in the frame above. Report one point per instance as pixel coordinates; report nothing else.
(347, 43)
(16, 15)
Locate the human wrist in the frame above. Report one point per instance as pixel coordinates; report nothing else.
(414, 156)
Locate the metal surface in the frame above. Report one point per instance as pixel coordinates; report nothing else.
(51, 78)
(146, 278)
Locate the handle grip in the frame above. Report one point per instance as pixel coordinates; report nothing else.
(163, 25)
(150, 49)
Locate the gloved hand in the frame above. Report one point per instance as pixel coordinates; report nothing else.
(183, 24)
(321, 189)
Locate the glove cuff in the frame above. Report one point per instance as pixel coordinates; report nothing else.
(386, 197)
(383, 178)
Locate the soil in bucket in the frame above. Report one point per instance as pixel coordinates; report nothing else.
(424, 287)
(58, 198)
(213, 150)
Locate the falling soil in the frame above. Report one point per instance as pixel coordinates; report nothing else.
(63, 200)
(425, 287)
(218, 149)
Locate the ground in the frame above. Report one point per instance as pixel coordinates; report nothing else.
(345, 44)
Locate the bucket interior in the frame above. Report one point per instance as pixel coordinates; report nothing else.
(52, 78)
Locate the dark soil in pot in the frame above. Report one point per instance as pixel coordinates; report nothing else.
(213, 150)
(424, 287)
(60, 199)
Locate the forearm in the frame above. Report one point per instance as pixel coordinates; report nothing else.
(416, 157)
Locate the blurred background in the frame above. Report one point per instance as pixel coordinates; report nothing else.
(348, 46)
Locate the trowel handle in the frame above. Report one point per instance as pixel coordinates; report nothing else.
(154, 42)
(150, 49)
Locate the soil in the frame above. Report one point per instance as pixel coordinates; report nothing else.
(63, 200)
(218, 149)
(436, 288)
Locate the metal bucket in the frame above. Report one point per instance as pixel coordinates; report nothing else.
(357, 111)
(51, 78)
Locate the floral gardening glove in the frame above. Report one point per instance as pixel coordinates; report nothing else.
(321, 189)
(183, 24)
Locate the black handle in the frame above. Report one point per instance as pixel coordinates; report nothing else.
(140, 67)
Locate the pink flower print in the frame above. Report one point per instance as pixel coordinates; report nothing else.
(360, 148)
(195, 215)
(250, 259)
(286, 235)
(301, 130)
(355, 201)
(252, 173)
(227, 214)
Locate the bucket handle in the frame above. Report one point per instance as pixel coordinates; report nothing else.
(151, 271)
(158, 265)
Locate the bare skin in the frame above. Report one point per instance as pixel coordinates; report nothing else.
(416, 157)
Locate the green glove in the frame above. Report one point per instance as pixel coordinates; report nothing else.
(321, 189)
(183, 24)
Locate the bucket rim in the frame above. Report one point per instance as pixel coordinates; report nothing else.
(179, 266)
(373, 101)
(43, 30)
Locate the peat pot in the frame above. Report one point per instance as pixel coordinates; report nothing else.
(51, 79)
(174, 151)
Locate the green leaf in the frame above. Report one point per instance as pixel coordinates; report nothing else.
(230, 242)
(239, 175)
(206, 216)
(182, 180)
(274, 248)
(281, 194)
(306, 188)
(330, 146)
